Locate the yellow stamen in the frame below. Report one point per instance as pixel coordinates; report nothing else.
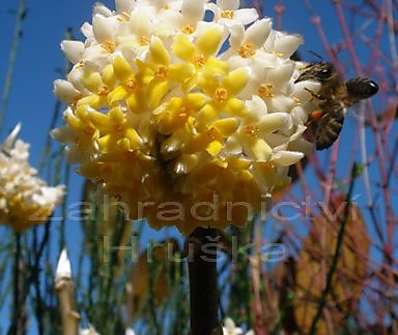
(265, 91)
(247, 50)
(144, 40)
(103, 91)
(188, 29)
(199, 60)
(227, 14)
(132, 85)
(89, 130)
(184, 111)
(221, 95)
(162, 73)
(109, 46)
(123, 17)
(251, 130)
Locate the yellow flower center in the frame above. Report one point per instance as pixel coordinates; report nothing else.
(250, 130)
(89, 130)
(184, 111)
(144, 40)
(132, 85)
(247, 50)
(162, 72)
(265, 91)
(227, 14)
(103, 91)
(188, 29)
(109, 46)
(221, 95)
(199, 60)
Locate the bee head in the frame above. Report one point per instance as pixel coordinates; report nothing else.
(361, 88)
(321, 72)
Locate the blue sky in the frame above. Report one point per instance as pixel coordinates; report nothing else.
(39, 57)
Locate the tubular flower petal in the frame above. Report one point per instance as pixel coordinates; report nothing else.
(165, 104)
(73, 50)
(65, 91)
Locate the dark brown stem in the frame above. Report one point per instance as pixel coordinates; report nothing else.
(18, 325)
(202, 263)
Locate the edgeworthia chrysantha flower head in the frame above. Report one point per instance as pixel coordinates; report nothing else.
(89, 331)
(231, 329)
(25, 199)
(168, 111)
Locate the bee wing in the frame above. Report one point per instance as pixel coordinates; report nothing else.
(330, 125)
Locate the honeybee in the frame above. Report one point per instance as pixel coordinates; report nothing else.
(335, 96)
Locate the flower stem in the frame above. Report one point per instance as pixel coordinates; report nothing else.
(202, 263)
(69, 316)
(18, 325)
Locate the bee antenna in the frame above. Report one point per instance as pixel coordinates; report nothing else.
(317, 55)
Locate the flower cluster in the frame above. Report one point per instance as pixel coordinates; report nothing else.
(183, 101)
(25, 199)
(231, 329)
(92, 331)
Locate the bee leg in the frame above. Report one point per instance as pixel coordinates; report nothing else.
(314, 95)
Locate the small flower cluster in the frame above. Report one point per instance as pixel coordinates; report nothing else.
(181, 101)
(25, 199)
(92, 331)
(231, 329)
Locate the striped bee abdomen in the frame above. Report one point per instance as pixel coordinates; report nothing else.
(330, 124)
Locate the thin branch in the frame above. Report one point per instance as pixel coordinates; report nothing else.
(391, 36)
(337, 253)
(20, 17)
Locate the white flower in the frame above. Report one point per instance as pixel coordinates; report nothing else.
(25, 199)
(101, 9)
(89, 331)
(92, 331)
(246, 42)
(228, 12)
(287, 158)
(282, 44)
(65, 91)
(230, 328)
(73, 50)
